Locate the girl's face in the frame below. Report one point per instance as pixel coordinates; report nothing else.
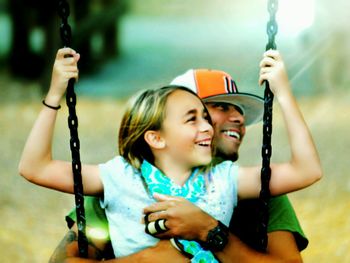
(186, 130)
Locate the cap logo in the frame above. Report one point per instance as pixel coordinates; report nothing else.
(230, 85)
(213, 83)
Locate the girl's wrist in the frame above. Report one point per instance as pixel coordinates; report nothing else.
(53, 99)
(285, 97)
(51, 106)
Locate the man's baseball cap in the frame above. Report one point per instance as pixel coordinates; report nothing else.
(218, 86)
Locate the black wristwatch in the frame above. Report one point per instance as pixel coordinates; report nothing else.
(217, 238)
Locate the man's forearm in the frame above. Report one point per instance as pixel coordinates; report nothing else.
(162, 252)
(60, 253)
(281, 248)
(189, 222)
(237, 251)
(68, 247)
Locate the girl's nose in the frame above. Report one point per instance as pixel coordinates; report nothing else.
(205, 126)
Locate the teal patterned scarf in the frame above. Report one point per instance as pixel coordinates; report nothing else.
(192, 190)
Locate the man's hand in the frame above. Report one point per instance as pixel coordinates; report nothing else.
(183, 219)
(68, 249)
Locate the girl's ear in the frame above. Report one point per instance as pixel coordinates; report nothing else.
(154, 140)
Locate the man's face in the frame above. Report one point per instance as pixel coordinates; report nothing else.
(229, 129)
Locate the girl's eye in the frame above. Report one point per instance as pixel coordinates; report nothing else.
(191, 119)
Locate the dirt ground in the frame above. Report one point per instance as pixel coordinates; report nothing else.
(33, 217)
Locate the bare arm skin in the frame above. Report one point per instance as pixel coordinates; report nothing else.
(304, 167)
(37, 164)
(67, 251)
(68, 247)
(187, 221)
(61, 251)
(281, 248)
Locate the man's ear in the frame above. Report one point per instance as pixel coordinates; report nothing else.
(154, 140)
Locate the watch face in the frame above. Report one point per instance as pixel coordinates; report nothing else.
(218, 237)
(219, 241)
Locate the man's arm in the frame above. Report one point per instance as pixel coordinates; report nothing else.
(67, 251)
(99, 242)
(61, 251)
(282, 245)
(184, 218)
(68, 247)
(281, 248)
(162, 252)
(187, 221)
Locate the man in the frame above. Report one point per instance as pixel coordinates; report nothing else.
(230, 111)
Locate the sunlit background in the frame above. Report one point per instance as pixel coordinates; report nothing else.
(130, 45)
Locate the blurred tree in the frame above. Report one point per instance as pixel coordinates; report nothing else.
(35, 36)
(26, 17)
(96, 29)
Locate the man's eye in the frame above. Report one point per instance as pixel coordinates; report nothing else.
(239, 110)
(221, 107)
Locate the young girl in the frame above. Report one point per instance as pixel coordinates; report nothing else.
(165, 147)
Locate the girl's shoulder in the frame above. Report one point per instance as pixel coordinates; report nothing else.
(118, 170)
(117, 163)
(222, 165)
(223, 168)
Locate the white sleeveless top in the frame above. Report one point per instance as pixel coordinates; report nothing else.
(126, 195)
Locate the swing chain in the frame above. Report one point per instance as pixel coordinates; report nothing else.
(65, 29)
(272, 26)
(66, 36)
(267, 131)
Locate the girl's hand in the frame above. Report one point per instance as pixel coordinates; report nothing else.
(272, 69)
(64, 68)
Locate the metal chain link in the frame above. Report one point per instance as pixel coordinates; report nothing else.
(272, 27)
(267, 131)
(66, 36)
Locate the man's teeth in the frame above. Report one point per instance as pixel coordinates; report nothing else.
(233, 134)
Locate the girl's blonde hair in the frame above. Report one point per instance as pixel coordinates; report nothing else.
(144, 112)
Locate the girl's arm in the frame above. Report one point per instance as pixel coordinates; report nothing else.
(36, 164)
(303, 168)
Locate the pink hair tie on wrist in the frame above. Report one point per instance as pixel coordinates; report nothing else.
(51, 107)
